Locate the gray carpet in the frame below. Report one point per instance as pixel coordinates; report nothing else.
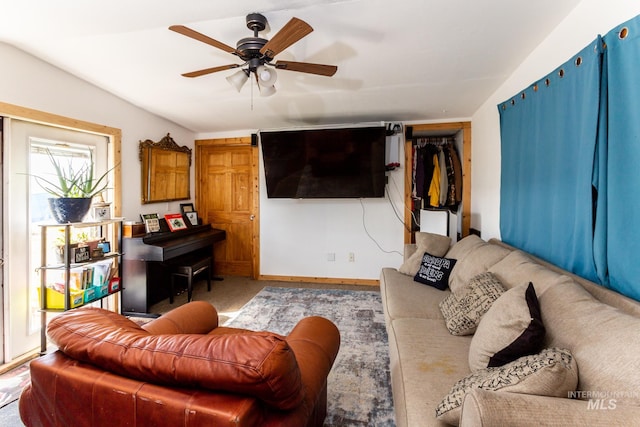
(9, 416)
(359, 391)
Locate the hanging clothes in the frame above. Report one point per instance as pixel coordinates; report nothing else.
(434, 188)
(455, 195)
(418, 173)
(431, 157)
(444, 180)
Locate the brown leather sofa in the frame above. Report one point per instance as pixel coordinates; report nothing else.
(181, 369)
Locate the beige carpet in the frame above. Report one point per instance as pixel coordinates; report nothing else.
(230, 294)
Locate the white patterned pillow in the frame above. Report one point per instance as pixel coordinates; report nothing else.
(463, 313)
(552, 372)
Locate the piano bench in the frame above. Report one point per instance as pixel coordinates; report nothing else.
(189, 267)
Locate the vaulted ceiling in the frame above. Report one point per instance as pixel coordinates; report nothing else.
(397, 61)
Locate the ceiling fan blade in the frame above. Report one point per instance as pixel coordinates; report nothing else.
(210, 70)
(307, 67)
(293, 31)
(185, 31)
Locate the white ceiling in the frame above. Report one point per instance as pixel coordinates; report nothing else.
(404, 60)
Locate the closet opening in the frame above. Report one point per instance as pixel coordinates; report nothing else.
(437, 197)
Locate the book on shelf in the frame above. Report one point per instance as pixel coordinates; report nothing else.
(175, 221)
(151, 222)
(102, 273)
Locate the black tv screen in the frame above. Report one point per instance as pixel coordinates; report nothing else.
(324, 163)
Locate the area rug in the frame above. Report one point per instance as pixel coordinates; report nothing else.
(12, 383)
(359, 392)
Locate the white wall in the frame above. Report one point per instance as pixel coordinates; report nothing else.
(297, 235)
(586, 21)
(29, 82)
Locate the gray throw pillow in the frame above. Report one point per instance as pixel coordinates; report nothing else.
(435, 244)
(512, 328)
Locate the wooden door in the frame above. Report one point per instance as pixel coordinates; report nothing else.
(227, 198)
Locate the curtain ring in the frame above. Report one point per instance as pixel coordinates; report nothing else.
(624, 32)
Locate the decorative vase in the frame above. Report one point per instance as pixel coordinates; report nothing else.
(69, 209)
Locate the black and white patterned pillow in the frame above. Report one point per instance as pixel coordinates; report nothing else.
(434, 271)
(552, 372)
(462, 313)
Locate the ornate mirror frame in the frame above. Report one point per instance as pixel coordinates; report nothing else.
(165, 170)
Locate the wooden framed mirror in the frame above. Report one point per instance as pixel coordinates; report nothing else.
(165, 170)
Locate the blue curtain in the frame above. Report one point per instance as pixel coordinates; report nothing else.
(549, 133)
(571, 164)
(621, 66)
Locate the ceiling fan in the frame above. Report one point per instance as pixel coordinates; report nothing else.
(257, 53)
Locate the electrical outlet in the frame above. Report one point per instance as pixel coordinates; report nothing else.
(352, 257)
(331, 256)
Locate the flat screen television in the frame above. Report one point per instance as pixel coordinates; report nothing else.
(324, 163)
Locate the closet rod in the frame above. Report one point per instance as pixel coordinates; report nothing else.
(433, 140)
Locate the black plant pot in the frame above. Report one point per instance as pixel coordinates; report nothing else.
(69, 209)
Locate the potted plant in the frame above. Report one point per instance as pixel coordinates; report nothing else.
(72, 189)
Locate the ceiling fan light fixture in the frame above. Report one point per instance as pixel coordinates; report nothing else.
(238, 79)
(267, 90)
(266, 76)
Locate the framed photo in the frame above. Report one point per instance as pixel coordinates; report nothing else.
(151, 222)
(175, 222)
(101, 213)
(186, 207)
(81, 254)
(192, 217)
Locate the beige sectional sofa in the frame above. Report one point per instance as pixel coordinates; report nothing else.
(595, 331)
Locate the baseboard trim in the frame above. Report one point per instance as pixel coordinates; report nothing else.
(327, 280)
(6, 367)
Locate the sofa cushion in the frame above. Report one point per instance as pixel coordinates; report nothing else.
(474, 256)
(435, 244)
(552, 372)
(425, 360)
(462, 314)
(603, 339)
(403, 297)
(434, 271)
(518, 268)
(259, 364)
(510, 329)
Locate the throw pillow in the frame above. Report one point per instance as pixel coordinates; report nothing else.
(434, 244)
(462, 314)
(510, 329)
(552, 372)
(434, 271)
